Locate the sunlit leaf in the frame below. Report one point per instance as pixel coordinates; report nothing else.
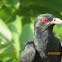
(4, 31)
(7, 54)
(7, 59)
(6, 14)
(16, 29)
(3, 49)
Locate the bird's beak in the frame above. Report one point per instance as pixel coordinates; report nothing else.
(56, 21)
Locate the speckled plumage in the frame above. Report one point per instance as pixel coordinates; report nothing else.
(44, 42)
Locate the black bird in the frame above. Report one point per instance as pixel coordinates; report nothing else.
(44, 41)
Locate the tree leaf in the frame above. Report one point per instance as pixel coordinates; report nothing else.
(7, 54)
(6, 14)
(16, 29)
(4, 31)
(26, 35)
(11, 3)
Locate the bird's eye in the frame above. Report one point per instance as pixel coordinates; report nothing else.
(44, 20)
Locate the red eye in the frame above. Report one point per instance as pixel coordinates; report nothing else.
(44, 20)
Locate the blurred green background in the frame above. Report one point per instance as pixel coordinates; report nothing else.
(17, 19)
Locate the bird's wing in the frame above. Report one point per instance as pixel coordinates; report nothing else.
(28, 53)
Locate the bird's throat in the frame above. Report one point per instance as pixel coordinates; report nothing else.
(41, 39)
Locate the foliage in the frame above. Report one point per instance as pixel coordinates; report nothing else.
(17, 24)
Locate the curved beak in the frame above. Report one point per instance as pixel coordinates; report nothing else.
(56, 21)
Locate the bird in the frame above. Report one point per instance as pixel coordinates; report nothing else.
(45, 47)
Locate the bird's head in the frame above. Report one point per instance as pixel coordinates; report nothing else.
(45, 21)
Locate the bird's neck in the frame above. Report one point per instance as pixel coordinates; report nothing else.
(41, 39)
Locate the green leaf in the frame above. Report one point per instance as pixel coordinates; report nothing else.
(3, 49)
(7, 54)
(4, 31)
(6, 59)
(16, 29)
(27, 34)
(6, 14)
(58, 29)
(11, 3)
